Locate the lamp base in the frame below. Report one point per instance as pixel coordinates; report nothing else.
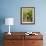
(9, 33)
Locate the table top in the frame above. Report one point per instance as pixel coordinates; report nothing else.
(22, 35)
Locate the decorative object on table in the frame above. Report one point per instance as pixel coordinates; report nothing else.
(27, 15)
(30, 33)
(9, 21)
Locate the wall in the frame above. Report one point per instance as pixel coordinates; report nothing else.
(11, 8)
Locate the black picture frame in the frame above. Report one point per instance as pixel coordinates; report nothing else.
(27, 15)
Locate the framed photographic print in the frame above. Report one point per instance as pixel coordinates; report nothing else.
(27, 15)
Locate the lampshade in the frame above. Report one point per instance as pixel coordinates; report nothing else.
(9, 21)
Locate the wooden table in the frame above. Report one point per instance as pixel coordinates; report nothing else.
(20, 39)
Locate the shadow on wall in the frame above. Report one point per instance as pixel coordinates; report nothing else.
(2, 21)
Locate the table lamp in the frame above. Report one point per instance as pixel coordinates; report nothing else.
(9, 21)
